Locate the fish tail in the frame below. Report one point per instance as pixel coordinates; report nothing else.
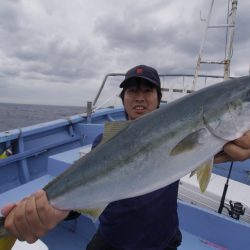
(6, 241)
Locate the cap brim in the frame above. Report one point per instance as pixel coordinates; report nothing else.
(126, 81)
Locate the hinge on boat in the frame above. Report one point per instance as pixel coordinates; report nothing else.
(70, 128)
(71, 131)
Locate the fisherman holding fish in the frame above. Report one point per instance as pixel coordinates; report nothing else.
(148, 221)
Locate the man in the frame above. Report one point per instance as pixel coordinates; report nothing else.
(145, 222)
(149, 221)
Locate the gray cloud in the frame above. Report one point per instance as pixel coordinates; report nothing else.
(52, 42)
(35, 52)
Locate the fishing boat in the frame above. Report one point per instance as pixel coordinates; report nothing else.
(43, 151)
(35, 155)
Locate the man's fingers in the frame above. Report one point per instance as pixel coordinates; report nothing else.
(24, 230)
(49, 216)
(237, 150)
(7, 209)
(243, 141)
(14, 220)
(10, 226)
(222, 157)
(33, 219)
(237, 153)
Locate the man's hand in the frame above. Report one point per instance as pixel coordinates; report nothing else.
(32, 217)
(237, 150)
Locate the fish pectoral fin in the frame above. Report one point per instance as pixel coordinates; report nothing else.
(189, 142)
(93, 213)
(203, 174)
(113, 128)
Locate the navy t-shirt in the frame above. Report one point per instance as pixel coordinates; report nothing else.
(146, 222)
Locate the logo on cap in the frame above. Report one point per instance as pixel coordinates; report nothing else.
(139, 71)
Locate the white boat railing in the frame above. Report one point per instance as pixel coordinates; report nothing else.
(173, 86)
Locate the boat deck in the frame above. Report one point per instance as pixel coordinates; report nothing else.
(189, 191)
(75, 234)
(193, 242)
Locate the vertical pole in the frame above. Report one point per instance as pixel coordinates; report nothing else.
(230, 37)
(197, 69)
(89, 111)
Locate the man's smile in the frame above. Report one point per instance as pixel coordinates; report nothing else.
(139, 107)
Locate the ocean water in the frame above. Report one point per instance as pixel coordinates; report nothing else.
(21, 115)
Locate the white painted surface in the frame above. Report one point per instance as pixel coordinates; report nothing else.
(38, 245)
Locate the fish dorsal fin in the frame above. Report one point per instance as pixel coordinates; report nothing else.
(189, 142)
(92, 213)
(203, 174)
(113, 128)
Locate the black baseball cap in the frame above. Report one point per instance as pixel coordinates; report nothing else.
(142, 71)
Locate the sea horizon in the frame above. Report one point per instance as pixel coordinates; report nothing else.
(18, 115)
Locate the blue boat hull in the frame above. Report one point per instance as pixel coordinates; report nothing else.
(43, 151)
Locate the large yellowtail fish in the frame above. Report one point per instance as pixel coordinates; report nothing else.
(140, 156)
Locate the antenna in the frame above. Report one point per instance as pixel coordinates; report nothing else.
(230, 26)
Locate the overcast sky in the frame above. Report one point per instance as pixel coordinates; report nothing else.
(58, 51)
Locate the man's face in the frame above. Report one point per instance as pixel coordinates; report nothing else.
(140, 98)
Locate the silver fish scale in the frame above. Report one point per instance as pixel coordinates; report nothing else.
(137, 160)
